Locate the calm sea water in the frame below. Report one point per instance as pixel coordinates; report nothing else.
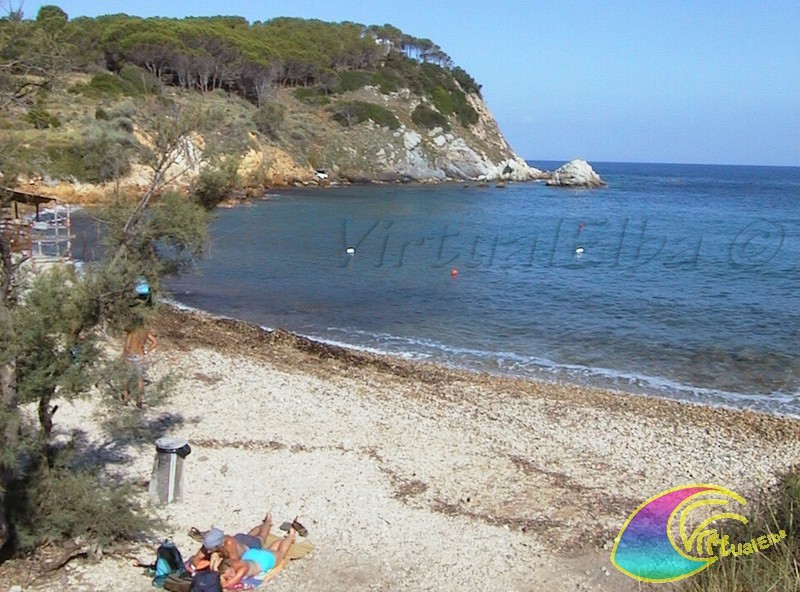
(688, 284)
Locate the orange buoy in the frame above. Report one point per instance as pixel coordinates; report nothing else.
(454, 272)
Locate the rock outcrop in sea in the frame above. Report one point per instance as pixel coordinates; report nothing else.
(576, 173)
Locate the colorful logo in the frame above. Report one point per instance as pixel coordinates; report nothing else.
(646, 548)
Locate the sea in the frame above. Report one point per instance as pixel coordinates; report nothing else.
(676, 281)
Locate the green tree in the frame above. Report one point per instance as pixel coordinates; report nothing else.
(52, 17)
(50, 323)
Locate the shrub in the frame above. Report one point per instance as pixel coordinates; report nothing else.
(467, 115)
(268, 119)
(354, 112)
(103, 84)
(444, 101)
(454, 102)
(67, 502)
(215, 183)
(132, 82)
(428, 118)
(103, 153)
(387, 81)
(312, 96)
(41, 118)
(354, 80)
(466, 81)
(138, 81)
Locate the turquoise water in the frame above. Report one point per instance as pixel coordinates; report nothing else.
(688, 284)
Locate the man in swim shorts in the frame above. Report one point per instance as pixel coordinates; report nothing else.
(138, 343)
(255, 561)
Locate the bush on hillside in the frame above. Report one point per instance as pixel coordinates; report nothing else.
(215, 183)
(312, 96)
(139, 81)
(352, 113)
(268, 119)
(355, 79)
(104, 151)
(454, 102)
(467, 82)
(103, 85)
(41, 118)
(429, 118)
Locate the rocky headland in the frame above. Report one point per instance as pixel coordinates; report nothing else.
(327, 153)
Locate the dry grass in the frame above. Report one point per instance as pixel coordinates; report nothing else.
(776, 569)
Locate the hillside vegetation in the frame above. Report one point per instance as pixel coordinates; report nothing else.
(272, 101)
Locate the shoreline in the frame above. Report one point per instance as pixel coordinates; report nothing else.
(676, 392)
(246, 338)
(410, 475)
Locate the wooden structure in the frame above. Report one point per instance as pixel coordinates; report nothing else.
(41, 235)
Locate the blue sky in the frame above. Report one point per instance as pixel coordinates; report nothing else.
(696, 82)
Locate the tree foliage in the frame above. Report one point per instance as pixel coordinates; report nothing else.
(223, 52)
(429, 118)
(354, 112)
(51, 323)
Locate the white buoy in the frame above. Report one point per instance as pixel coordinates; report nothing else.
(351, 251)
(579, 250)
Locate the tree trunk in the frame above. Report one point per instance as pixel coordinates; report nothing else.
(46, 413)
(9, 412)
(10, 430)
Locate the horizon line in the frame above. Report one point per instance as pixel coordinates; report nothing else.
(787, 166)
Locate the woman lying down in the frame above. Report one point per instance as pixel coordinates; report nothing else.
(253, 561)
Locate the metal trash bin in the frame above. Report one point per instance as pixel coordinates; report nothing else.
(166, 483)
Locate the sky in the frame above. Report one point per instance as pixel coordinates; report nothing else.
(710, 82)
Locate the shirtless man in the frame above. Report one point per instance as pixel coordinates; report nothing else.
(138, 344)
(254, 561)
(218, 546)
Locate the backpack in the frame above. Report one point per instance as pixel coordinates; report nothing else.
(206, 581)
(168, 561)
(178, 582)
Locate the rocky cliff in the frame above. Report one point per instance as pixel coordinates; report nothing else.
(410, 152)
(307, 141)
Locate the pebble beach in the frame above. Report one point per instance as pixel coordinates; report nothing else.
(412, 476)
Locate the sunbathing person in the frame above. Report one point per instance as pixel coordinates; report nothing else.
(218, 546)
(255, 561)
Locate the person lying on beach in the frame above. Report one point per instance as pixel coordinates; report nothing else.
(255, 561)
(218, 546)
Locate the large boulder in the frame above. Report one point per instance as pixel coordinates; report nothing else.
(576, 173)
(513, 169)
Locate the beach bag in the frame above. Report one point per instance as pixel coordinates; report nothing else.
(178, 582)
(168, 562)
(206, 581)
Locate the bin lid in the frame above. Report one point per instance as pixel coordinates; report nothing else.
(168, 444)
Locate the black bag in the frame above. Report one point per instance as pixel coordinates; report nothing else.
(206, 581)
(178, 582)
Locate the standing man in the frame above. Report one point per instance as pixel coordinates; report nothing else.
(138, 344)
